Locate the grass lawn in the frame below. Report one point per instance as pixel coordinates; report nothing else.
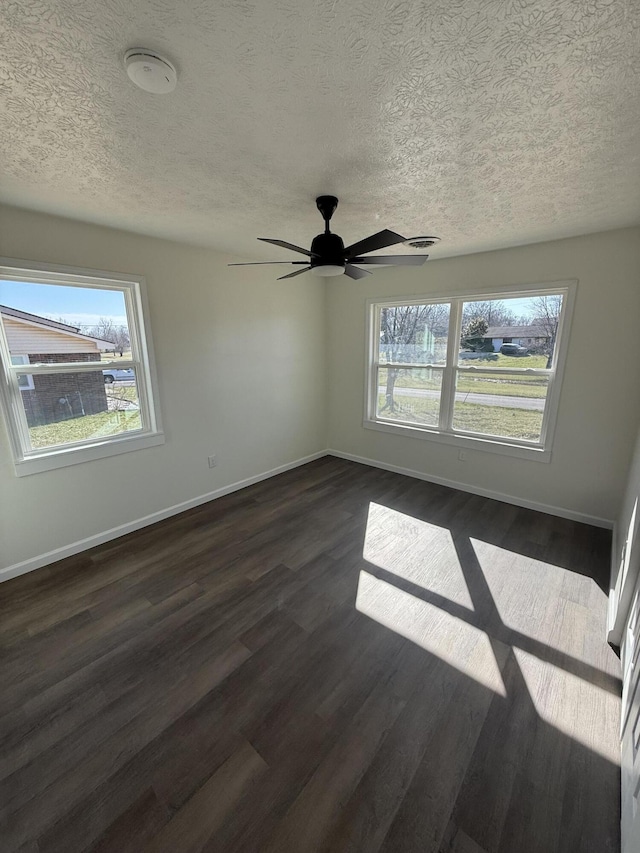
(494, 420)
(538, 362)
(489, 420)
(507, 386)
(85, 427)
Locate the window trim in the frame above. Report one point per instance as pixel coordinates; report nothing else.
(476, 441)
(46, 459)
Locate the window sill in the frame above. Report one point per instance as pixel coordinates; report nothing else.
(488, 445)
(48, 460)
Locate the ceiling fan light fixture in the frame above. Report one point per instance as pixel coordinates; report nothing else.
(326, 270)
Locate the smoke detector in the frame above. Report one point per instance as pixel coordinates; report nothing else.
(150, 71)
(421, 242)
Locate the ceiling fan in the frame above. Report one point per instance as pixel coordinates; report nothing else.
(328, 256)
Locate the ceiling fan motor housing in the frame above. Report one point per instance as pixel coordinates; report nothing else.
(328, 256)
(327, 249)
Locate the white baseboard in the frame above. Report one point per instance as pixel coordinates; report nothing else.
(99, 538)
(114, 532)
(477, 490)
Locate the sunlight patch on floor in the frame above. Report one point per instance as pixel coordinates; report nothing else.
(417, 551)
(529, 595)
(579, 709)
(452, 640)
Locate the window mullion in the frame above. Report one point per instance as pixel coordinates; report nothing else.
(449, 372)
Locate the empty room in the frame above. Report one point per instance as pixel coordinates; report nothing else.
(320, 426)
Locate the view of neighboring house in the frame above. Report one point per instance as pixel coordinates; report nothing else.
(32, 340)
(524, 336)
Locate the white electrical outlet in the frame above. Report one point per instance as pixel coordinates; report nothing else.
(212, 461)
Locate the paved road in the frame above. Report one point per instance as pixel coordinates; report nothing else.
(535, 404)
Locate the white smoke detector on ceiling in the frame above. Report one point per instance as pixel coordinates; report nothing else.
(150, 71)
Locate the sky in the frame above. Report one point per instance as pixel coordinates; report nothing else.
(83, 306)
(78, 306)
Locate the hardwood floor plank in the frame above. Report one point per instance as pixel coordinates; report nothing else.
(100, 751)
(422, 819)
(265, 802)
(459, 842)
(339, 658)
(135, 827)
(310, 818)
(28, 733)
(370, 811)
(198, 820)
(83, 662)
(503, 746)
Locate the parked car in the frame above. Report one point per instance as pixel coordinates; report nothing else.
(118, 374)
(513, 349)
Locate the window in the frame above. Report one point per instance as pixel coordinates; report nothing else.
(89, 389)
(477, 371)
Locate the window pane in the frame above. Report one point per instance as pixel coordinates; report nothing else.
(56, 323)
(510, 332)
(411, 396)
(414, 334)
(508, 406)
(24, 381)
(63, 408)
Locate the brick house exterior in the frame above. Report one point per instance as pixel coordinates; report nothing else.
(49, 399)
(64, 395)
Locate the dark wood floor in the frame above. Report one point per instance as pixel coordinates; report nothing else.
(337, 659)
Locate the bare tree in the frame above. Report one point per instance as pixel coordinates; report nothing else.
(116, 334)
(493, 311)
(408, 335)
(547, 315)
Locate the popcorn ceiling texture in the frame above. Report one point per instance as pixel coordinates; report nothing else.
(488, 123)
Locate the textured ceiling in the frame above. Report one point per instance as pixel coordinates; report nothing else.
(487, 122)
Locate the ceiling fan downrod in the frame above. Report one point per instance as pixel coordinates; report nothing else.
(327, 250)
(326, 204)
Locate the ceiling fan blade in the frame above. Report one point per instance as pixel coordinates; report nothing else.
(259, 263)
(354, 272)
(392, 260)
(377, 241)
(296, 272)
(285, 245)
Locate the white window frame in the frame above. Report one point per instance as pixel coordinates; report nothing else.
(31, 461)
(444, 432)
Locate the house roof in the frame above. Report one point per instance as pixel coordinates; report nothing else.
(516, 332)
(42, 321)
(489, 124)
(66, 329)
